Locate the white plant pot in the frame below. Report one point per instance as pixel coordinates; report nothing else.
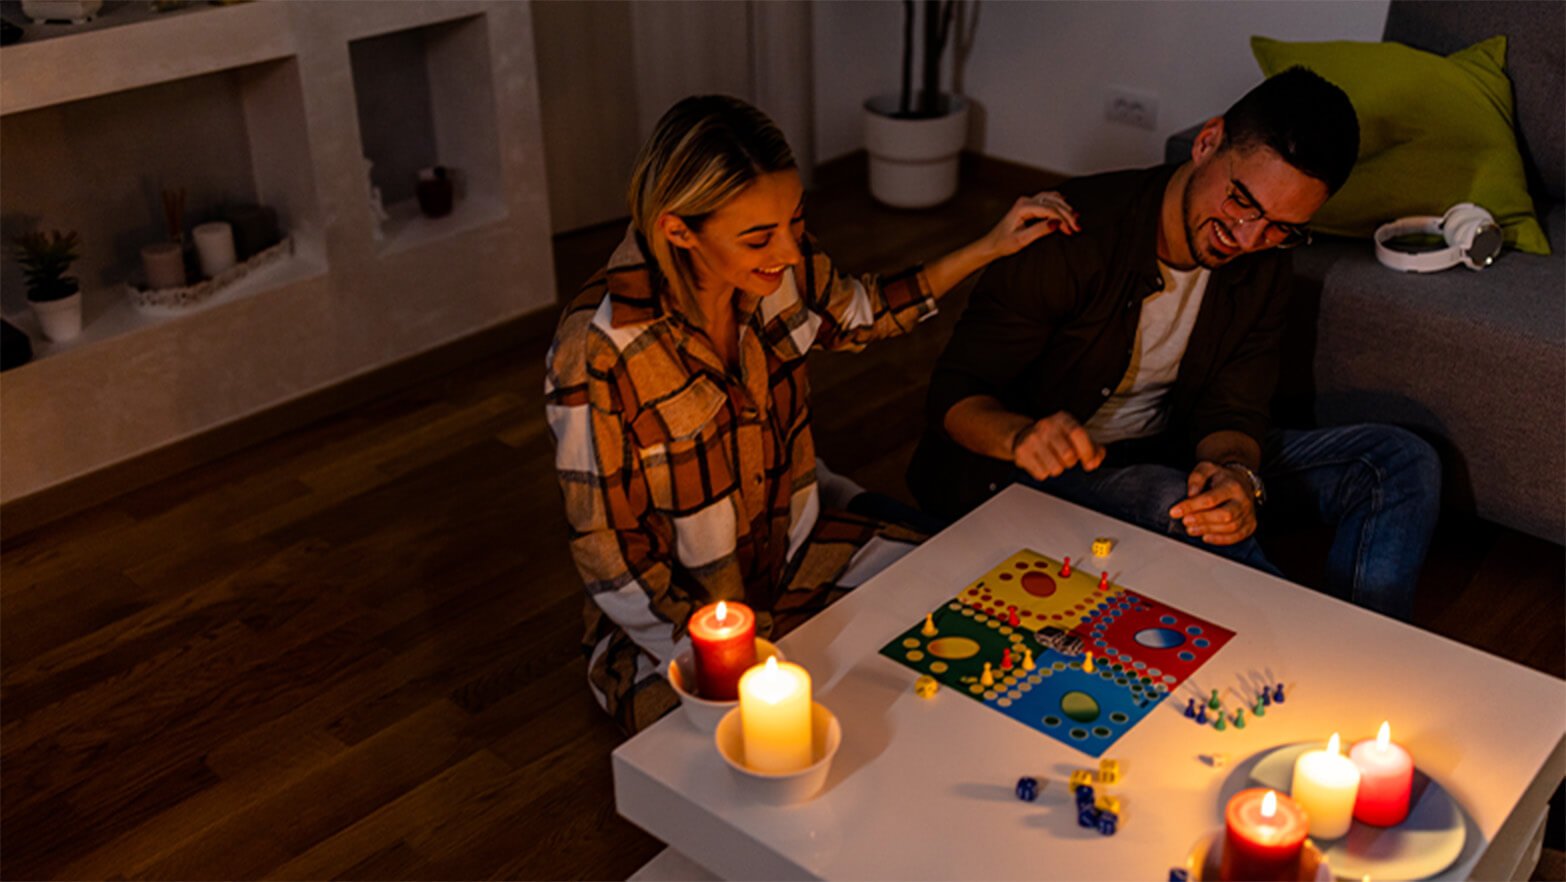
(72, 11)
(61, 320)
(913, 162)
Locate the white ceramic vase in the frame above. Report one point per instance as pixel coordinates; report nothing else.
(70, 11)
(61, 320)
(913, 162)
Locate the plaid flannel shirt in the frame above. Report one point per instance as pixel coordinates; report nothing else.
(685, 483)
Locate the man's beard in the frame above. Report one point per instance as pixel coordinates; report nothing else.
(1203, 258)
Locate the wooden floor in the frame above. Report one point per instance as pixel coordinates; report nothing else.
(352, 651)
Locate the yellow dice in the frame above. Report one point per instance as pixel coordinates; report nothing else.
(1102, 546)
(1107, 803)
(926, 687)
(1080, 777)
(1109, 771)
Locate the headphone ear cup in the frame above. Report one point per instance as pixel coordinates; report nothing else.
(1461, 223)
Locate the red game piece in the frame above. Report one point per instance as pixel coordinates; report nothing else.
(1011, 617)
(1103, 581)
(1006, 659)
(1065, 568)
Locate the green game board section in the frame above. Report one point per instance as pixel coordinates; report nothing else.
(967, 639)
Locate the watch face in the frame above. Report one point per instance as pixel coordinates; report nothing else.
(1486, 245)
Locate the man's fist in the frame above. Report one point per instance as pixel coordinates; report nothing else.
(1219, 507)
(1053, 444)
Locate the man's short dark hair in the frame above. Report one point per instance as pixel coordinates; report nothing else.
(1305, 119)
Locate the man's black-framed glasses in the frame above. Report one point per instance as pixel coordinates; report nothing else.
(1242, 209)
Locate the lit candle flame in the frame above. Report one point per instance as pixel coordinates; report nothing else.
(772, 685)
(1334, 744)
(1384, 737)
(1269, 804)
(723, 611)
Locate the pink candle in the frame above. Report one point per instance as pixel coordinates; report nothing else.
(723, 636)
(1386, 776)
(1263, 834)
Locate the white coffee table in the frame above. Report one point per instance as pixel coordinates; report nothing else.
(922, 789)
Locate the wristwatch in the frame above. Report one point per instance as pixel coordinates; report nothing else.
(1258, 489)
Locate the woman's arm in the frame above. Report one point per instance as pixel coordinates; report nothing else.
(624, 565)
(854, 310)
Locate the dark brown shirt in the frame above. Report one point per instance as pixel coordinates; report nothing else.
(1053, 327)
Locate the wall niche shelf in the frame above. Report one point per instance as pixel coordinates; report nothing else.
(424, 98)
(232, 136)
(274, 102)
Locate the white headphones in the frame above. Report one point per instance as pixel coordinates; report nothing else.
(1472, 236)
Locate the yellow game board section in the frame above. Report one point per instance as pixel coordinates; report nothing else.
(1032, 583)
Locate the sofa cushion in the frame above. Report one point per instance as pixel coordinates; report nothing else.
(1433, 131)
(1535, 59)
(1475, 359)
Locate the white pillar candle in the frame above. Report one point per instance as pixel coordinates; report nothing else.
(215, 245)
(164, 265)
(775, 708)
(1325, 784)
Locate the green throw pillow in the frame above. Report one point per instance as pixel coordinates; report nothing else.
(1433, 132)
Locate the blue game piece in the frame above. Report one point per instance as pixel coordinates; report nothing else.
(1201, 716)
(1266, 699)
(1190, 708)
(1107, 822)
(1277, 695)
(1088, 817)
(1179, 874)
(1027, 789)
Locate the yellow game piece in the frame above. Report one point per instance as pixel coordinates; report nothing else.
(926, 687)
(1109, 771)
(1102, 546)
(987, 678)
(1107, 803)
(929, 629)
(1087, 663)
(1080, 777)
(1027, 659)
(1218, 760)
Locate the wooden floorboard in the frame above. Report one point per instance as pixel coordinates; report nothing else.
(351, 650)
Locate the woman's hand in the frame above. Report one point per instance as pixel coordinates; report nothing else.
(1031, 218)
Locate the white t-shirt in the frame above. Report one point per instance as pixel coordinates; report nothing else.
(1136, 407)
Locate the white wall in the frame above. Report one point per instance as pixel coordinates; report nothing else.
(1039, 70)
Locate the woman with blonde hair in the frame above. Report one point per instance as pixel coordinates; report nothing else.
(679, 404)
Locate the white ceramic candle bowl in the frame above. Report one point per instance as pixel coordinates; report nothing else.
(787, 787)
(702, 713)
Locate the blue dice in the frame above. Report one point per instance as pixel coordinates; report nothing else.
(1107, 822)
(1088, 816)
(1027, 789)
(1179, 874)
(1084, 795)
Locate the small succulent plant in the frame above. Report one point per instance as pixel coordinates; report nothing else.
(46, 257)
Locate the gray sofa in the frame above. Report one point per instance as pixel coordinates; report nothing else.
(1473, 361)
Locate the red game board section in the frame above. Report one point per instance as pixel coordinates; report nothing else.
(1172, 642)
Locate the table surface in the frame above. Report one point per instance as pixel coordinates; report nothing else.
(922, 789)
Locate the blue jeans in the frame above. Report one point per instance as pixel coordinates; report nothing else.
(1378, 486)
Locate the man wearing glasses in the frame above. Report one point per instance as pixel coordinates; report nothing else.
(1129, 368)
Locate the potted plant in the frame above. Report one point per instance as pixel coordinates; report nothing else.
(56, 298)
(916, 138)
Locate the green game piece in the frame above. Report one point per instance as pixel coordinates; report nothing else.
(1259, 710)
(1239, 718)
(1219, 723)
(1213, 702)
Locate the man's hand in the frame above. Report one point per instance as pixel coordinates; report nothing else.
(1053, 444)
(1219, 506)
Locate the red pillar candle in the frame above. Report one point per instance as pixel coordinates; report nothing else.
(723, 636)
(1263, 834)
(1386, 776)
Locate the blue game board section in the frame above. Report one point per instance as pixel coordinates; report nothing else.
(1087, 711)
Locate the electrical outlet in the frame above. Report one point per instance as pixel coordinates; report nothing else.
(1131, 107)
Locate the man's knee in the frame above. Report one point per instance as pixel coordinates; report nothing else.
(1406, 460)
